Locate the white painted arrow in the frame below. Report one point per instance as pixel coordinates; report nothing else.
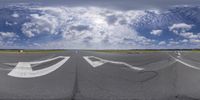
(93, 63)
(103, 61)
(24, 70)
(180, 60)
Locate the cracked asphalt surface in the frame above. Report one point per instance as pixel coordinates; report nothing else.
(163, 78)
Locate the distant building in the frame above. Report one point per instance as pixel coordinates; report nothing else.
(21, 51)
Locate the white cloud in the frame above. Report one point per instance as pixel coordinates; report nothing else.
(171, 43)
(15, 15)
(195, 41)
(162, 43)
(182, 30)
(7, 39)
(184, 40)
(189, 35)
(40, 24)
(7, 34)
(10, 24)
(36, 44)
(87, 27)
(180, 26)
(156, 32)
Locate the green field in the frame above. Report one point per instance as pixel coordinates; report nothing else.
(30, 51)
(195, 50)
(142, 51)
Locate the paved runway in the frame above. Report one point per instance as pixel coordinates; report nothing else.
(88, 75)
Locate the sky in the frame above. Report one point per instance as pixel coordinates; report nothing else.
(116, 4)
(99, 24)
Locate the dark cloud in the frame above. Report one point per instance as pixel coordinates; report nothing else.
(123, 22)
(87, 39)
(111, 19)
(80, 28)
(116, 4)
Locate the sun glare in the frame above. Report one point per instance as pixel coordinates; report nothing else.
(99, 20)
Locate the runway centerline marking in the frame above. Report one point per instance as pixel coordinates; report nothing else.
(24, 70)
(103, 61)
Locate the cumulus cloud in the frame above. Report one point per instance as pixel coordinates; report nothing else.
(15, 15)
(95, 27)
(173, 43)
(7, 34)
(86, 26)
(183, 30)
(7, 39)
(162, 43)
(189, 35)
(195, 41)
(184, 40)
(156, 32)
(180, 27)
(44, 24)
(10, 24)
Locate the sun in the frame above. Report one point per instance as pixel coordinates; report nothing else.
(99, 20)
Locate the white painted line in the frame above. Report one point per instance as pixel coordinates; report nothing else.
(24, 70)
(188, 64)
(43, 61)
(179, 53)
(103, 61)
(37, 62)
(184, 63)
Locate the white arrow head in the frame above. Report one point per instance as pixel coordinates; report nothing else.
(24, 70)
(93, 63)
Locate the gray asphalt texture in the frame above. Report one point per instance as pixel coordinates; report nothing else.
(163, 79)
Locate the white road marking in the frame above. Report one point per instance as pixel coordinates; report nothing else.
(179, 54)
(103, 61)
(94, 63)
(188, 64)
(184, 63)
(24, 70)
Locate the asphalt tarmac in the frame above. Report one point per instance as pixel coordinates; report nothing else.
(164, 76)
